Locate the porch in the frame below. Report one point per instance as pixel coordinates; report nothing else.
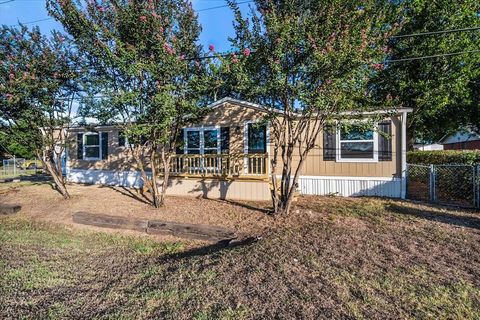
(251, 166)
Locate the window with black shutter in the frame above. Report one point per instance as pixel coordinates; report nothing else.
(385, 141)
(180, 142)
(225, 140)
(104, 138)
(329, 142)
(121, 139)
(80, 146)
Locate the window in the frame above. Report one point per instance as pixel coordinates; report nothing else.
(91, 146)
(357, 143)
(202, 141)
(257, 138)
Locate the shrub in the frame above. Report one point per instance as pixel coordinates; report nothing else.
(469, 157)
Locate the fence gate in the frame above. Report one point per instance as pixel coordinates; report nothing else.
(457, 185)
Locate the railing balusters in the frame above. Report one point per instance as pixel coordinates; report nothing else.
(219, 165)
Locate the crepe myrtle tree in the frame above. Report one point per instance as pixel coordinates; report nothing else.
(38, 77)
(146, 74)
(309, 61)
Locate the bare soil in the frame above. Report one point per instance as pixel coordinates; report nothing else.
(331, 258)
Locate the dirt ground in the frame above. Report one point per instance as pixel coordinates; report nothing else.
(39, 202)
(355, 258)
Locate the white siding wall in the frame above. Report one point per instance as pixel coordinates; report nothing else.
(248, 190)
(351, 186)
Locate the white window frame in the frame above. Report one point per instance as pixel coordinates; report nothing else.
(99, 134)
(201, 130)
(339, 150)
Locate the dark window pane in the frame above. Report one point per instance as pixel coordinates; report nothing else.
(257, 138)
(356, 132)
(92, 140)
(210, 151)
(193, 151)
(92, 152)
(210, 138)
(193, 139)
(357, 150)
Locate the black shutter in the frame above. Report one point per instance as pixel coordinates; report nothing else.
(80, 146)
(180, 142)
(329, 143)
(224, 140)
(104, 142)
(385, 141)
(121, 139)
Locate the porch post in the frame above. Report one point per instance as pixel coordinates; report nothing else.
(404, 155)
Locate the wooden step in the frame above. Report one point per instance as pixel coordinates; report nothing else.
(6, 209)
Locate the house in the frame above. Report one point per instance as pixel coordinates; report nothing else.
(427, 147)
(464, 139)
(227, 156)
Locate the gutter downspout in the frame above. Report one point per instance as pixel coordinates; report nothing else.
(404, 155)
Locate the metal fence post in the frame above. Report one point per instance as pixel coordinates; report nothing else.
(476, 183)
(432, 183)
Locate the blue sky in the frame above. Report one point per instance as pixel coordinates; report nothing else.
(216, 23)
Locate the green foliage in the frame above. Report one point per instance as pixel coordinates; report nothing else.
(310, 60)
(444, 92)
(469, 157)
(145, 70)
(13, 147)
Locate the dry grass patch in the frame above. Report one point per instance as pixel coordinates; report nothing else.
(331, 258)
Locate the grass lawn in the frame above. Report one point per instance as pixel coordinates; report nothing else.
(331, 258)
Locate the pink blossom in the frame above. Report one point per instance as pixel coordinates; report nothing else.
(246, 52)
(211, 47)
(143, 18)
(234, 58)
(182, 57)
(168, 48)
(101, 9)
(11, 76)
(277, 61)
(9, 96)
(377, 66)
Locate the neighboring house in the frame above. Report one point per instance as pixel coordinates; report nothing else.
(465, 139)
(227, 156)
(427, 147)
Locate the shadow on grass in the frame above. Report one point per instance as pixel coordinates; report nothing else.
(129, 193)
(221, 246)
(447, 218)
(245, 205)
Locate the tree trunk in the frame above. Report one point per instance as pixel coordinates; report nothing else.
(157, 199)
(56, 174)
(166, 176)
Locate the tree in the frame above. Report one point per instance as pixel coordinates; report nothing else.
(442, 91)
(308, 61)
(145, 68)
(38, 78)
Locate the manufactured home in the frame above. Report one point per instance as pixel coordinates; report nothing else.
(227, 156)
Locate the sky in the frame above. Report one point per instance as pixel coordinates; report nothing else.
(216, 23)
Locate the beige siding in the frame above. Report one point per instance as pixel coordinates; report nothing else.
(315, 166)
(118, 158)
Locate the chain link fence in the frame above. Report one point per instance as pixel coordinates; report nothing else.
(456, 185)
(16, 167)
